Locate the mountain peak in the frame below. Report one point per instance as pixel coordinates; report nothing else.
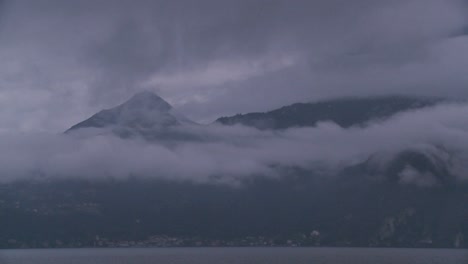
(147, 100)
(143, 111)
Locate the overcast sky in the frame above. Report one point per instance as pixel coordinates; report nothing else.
(63, 60)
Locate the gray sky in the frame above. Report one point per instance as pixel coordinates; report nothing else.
(63, 60)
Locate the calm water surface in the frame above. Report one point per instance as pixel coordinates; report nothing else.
(235, 256)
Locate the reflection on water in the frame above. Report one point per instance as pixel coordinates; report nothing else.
(236, 255)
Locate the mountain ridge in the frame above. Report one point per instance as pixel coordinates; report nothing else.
(406, 198)
(346, 112)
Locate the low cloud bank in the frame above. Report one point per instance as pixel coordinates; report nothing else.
(232, 153)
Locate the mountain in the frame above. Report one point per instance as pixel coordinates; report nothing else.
(345, 112)
(144, 114)
(300, 206)
(407, 198)
(423, 167)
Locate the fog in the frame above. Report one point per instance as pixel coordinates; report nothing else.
(230, 154)
(63, 60)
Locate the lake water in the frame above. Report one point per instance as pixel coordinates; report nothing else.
(235, 256)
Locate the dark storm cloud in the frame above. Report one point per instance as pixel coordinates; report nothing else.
(300, 50)
(64, 60)
(2, 2)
